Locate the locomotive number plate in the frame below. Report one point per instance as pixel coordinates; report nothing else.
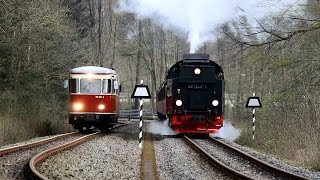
(99, 97)
(198, 86)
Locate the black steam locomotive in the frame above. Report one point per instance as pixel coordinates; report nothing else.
(192, 95)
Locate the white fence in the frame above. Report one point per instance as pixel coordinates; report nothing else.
(135, 114)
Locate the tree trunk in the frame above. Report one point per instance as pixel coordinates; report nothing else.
(239, 102)
(136, 104)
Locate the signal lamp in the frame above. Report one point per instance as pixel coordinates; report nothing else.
(178, 102)
(215, 102)
(197, 71)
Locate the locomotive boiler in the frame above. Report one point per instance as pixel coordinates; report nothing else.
(191, 97)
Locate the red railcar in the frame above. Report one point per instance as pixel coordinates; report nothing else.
(94, 97)
(192, 95)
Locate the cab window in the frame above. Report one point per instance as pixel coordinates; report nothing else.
(112, 87)
(116, 87)
(106, 86)
(91, 86)
(73, 85)
(169, 87)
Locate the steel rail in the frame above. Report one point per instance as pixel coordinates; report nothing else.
(8, 150)
(259, 162)
(37, 159)
(213, 161)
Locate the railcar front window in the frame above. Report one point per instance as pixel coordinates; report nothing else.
(106, 86)
(91, 86)
(73, 85)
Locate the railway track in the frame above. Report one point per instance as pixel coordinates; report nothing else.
(228, 160)
(8, 150)
(237, 163)
(36, 160)
(14, 159)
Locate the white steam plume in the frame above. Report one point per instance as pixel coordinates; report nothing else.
(228, 131)
(160, 127)
(199, 18)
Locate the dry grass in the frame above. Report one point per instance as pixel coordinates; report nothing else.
(283, 135)
(12, 131)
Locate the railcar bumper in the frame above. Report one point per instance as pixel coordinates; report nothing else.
(92, 119)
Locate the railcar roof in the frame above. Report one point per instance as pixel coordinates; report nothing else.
(92, 69)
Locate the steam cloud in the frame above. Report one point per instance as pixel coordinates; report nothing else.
(199, 18)
(228, 131)
(160, 127)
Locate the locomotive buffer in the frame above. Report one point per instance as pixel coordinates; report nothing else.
(142, 92)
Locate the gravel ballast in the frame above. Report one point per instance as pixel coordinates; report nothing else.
(176, 160)
(12, 165)
(275, 161)
(115, 155)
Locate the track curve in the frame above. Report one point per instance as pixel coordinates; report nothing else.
(37, 159)
(236, 162)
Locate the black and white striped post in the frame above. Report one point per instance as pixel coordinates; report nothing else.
(140, 120)
(253, 102)
(253, 118)
(142, 92)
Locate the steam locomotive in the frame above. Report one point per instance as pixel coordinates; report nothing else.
(192, 96)
(94, 97)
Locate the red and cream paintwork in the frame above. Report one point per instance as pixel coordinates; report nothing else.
(94, 97)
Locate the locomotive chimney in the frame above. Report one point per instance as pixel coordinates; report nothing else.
(196, 57)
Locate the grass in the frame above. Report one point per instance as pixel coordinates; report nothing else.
(292, 143)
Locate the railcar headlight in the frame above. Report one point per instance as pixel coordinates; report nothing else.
(77, 106)
(101, 106)
(197, 71)
(215, 102)
(178, 102)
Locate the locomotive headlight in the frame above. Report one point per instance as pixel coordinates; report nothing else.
(215, 102)
(77, 106)
(197, 71)
(101, 106)
(178, 102)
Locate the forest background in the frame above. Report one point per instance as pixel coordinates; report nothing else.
(41, 40)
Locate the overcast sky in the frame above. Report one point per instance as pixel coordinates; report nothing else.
(199, 17)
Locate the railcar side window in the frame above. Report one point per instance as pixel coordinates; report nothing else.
(106, 86)
(91, 86)
(115, 85)
(169, 87)
(112, 87)
(73, 85)
(109, 85)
